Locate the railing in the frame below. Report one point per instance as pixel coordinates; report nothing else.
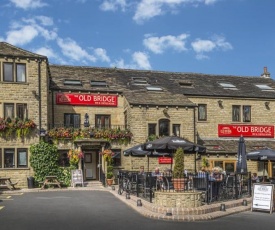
(90, 126)
(113, 134)
(145, 185)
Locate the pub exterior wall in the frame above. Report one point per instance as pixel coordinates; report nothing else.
(12, 92)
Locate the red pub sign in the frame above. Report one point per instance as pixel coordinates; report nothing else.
(266, 131)
(86, 99)
(165, 160)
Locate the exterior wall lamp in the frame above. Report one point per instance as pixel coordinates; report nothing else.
(86, 120)
(267, 104)
(220, 102)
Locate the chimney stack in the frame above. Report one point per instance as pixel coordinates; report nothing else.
(265, 74)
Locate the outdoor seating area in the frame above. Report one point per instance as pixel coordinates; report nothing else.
(50, 181)
(6, 183)
(145, 185)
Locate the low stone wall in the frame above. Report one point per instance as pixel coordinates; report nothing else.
(178, 199)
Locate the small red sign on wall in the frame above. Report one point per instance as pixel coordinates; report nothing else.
(165, 160)
(86, 99)
(266, 131)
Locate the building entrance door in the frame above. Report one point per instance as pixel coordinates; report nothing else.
(90, 165)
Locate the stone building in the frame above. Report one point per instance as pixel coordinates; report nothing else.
(211, 110)
(23, 95)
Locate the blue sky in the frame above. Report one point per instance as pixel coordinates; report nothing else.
(226, 37)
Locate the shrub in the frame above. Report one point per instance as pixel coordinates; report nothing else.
(178, 171)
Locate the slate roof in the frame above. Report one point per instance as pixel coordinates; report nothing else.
(121, 81)
(177, 87)
(208, 85)
(9, 50)
(231, 145)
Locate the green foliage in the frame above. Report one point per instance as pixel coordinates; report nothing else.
(205, 162)
(178, 171)
(110, 173)
(152, 137)
(44, 161)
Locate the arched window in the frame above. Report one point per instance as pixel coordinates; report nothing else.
(164, 127)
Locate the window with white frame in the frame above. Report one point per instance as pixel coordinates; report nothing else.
(14, 72)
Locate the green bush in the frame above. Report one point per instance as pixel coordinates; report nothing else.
(110, 173)
(178, 171)
(44, 161)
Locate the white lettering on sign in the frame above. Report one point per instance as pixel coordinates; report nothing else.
(242, 129)
(84, 97)
(104, 98)
(261, 129)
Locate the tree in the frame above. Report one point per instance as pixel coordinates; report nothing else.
(178, 171)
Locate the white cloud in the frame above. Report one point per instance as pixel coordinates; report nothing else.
(28, 4)
(201, 46)
(25, 30)
(45, 21)
(139, 60)
(50, 53)
(159, 44)
(45, 51)
(101, 54)
(21, 36)
(142, 60)
(147, 9)
(113, 5)
(72, 50)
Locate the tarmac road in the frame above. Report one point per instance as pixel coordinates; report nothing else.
(71, 210)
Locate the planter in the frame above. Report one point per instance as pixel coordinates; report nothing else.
(109, 181)
(180, 184)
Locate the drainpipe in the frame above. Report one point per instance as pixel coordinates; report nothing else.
(52, 109)
(39, 98)
(194, 125)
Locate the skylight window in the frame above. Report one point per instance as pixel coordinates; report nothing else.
(185, 84)
(154, 88)
(98, 84)
(72, 82)
(264, 87)
(228, 86)
(140, 81)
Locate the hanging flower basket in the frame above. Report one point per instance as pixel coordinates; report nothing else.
(112, 135)
(21, 128)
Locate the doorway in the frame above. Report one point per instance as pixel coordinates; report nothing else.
(89, 166)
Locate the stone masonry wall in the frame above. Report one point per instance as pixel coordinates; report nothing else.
(12, 92)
